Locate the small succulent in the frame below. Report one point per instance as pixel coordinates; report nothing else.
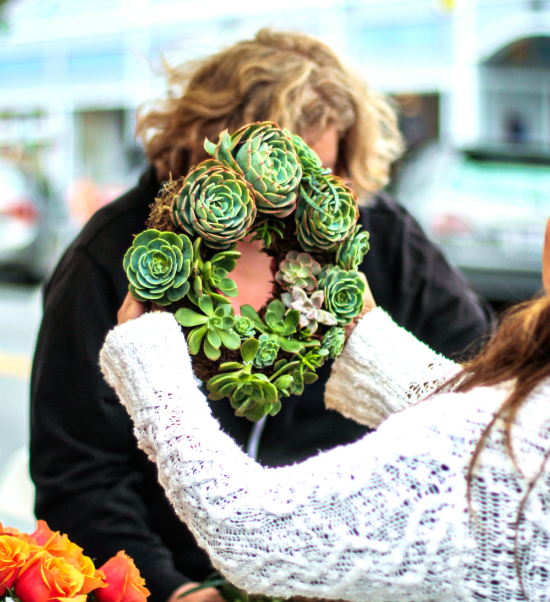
(265, 156)
(351, 252)
(251, 395)
(266, 229)
(244, 327)
(326, 214)
(267, 352)
(334, 340)
(216, 204)
(279, 324)
(213, 273)
(312, 167)
(343, 293)
(313, 359)
(158, 265)
(299, 374)
(298, 270)
(310, 310)
(215, 327)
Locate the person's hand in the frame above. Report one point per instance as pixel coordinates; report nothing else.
(130, 310)
(546, 259)
(210, 594)
(368, 305)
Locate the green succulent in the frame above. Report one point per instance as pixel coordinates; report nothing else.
(158, 265)
(266, 229)
(212, 274)
(313, 359)
(251, 395)
(297, 371)
(265, 155)
(279, 324)
(351, 252)
(309, 160)
(326, 214)
(343, 293)
(215, 327)
(298, 269)
(334, 340)
(267, 353)
(216, 204)
(310, 310)
(244, 327)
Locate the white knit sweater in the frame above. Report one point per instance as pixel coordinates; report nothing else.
(383, 519)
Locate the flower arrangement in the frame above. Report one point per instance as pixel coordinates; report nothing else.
(46, 567)
(264, 183)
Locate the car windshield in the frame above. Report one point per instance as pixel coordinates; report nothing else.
(502, 178)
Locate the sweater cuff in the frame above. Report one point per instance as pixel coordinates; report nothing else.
(373, 376)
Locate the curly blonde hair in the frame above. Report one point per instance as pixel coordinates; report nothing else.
(290, 78)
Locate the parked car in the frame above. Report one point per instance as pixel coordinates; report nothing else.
(487, 209)
(34, 226)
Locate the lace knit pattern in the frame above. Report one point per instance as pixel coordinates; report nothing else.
(358, 390)
(383, 519)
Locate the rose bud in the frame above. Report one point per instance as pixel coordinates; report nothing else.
(124, 583)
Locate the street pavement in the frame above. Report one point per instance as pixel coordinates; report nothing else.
(20, 314)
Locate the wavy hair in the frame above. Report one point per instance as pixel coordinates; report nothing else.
(518, 352)
(290, 78)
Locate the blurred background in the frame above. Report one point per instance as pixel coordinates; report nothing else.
(471, 80)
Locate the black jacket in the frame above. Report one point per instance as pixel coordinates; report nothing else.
(91, 480)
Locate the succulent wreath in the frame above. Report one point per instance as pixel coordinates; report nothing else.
(265, 182)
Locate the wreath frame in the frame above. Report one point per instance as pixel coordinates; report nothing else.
(317, 210)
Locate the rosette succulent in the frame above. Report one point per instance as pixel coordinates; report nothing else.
(214, 327)
(267, 352)
(343, 293)
(265, 156)
(158, 265)
(308, 158)
(213, 273)
(280, 324)
(251, 395)
(299, 375)
(334, 340)
(216, 204)
(310, 310)
(298, 270)
(244, 327)
(351, 252)
(325, 215)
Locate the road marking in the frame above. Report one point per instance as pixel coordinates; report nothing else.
(14, 365)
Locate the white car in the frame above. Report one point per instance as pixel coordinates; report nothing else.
(34, 227)
(487, 209)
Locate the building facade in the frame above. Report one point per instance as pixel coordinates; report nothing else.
(74, 72)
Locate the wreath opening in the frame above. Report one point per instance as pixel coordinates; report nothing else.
(266, 184)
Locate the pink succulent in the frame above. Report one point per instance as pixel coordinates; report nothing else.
(298, 270)
(310, 310)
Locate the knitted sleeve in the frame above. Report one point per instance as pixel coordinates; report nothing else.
(373, 520)
(383, 369)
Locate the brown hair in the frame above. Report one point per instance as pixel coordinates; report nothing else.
(290, 78)
(518, 352)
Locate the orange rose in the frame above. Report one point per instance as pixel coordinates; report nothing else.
(14, 553)
(46, 578)
(42, 533)
(60, 546)
(16, 533)
(124, 583)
